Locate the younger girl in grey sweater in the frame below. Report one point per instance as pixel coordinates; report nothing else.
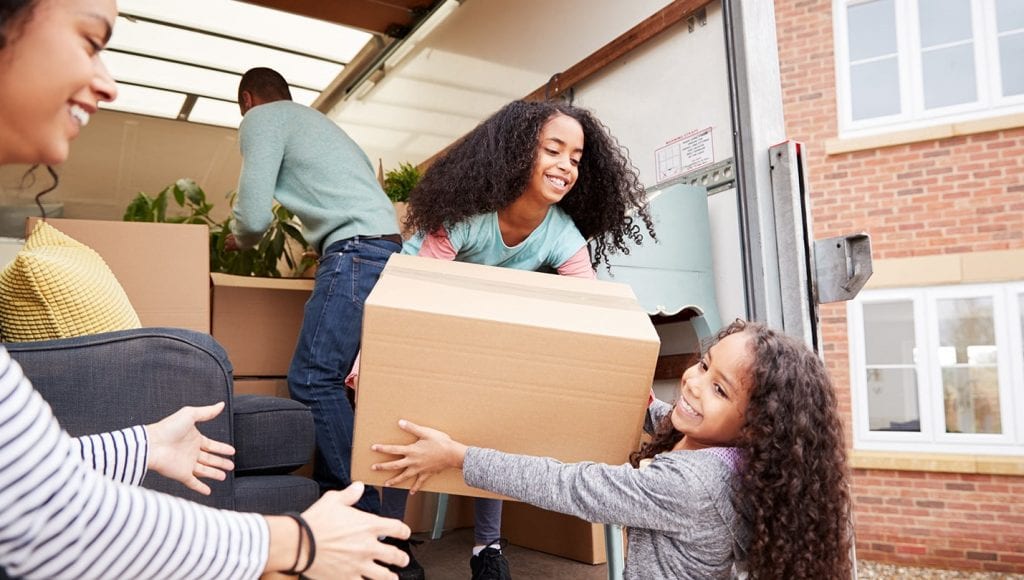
(745, 472)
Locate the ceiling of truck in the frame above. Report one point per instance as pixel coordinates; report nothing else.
(431, 69)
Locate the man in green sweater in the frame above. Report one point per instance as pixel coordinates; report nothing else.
(297, 156)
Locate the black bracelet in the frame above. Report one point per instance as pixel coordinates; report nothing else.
(304, 529)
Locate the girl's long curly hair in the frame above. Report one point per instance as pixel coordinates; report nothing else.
(490, 167)
(792, 488)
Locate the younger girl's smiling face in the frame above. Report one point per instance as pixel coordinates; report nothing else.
(713, 395)
(52, 79)
(556, 163)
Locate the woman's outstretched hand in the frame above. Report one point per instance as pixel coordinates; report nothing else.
(347, 544)
(347, 540)
(434, 452)
(178, 450)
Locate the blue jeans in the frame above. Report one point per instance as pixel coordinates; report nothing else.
(328, 342)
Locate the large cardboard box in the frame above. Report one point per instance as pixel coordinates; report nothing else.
(519, 361)
(257, 321)
(163, 268)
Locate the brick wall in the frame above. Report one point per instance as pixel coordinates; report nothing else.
(957, 195)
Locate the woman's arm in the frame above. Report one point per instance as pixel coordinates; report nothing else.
(60, 519)
(172, 447)
(119, 455)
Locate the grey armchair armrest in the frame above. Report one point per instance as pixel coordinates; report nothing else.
(113, 380)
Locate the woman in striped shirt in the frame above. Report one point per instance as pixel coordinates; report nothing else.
(59, 518)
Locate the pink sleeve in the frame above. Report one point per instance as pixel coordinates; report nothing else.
(437, 245)
(577, 265)
(352, 380)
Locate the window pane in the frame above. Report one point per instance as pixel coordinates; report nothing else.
(944, 21)
(966, 323)
(871, 29)
(971, 397)
(892, 400)
(889, 333)
(146, 101)
(969, 361)
(213, 112)
(875, 89)
(1009, 15)
(949, 76)
(1011, 57)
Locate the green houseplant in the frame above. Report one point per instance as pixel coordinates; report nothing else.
(399, 182)
(283, 240)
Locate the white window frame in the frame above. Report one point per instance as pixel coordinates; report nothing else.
(932, 438)
(912, 114)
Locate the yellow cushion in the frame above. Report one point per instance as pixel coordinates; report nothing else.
(57, 287)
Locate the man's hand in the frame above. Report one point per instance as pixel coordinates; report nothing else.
(434, 452)
(179, 451)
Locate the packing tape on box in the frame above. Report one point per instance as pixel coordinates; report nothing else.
(515, 289)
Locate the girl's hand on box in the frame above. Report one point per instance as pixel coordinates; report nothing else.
(433, 453)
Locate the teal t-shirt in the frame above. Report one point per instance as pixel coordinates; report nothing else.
(305, 161)
(478, 240)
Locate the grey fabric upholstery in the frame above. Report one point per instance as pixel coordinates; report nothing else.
(272, 435)
(113, 380)
(274, 494)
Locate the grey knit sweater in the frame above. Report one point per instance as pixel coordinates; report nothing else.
(680, 520)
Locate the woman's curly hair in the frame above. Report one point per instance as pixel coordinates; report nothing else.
(13, 15)
(792, 489)
(490, 167)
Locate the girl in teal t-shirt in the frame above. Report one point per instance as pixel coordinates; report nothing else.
(525, 189)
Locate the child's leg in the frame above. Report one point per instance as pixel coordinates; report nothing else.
(392, 502)
(486, 520)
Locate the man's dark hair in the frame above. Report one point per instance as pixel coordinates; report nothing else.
(266, 83)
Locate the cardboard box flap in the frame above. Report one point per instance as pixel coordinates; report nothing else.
(472, 291)
(230, 280)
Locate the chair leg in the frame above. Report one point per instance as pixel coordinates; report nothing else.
(440, 516)
(613, 548)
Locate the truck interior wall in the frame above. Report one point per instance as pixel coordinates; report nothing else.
(672, 87)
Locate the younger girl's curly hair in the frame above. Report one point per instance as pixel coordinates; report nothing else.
(490, 167)
(791, 489)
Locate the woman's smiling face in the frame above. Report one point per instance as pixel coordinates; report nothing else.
(52, 78)
(713, 395)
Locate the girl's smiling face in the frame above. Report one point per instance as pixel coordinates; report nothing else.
(52, 78)
(556, 163)
(713, 395)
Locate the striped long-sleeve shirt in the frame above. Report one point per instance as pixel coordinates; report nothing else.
(119, 455)
(61, 519)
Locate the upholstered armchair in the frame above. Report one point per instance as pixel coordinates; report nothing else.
(113, 380)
